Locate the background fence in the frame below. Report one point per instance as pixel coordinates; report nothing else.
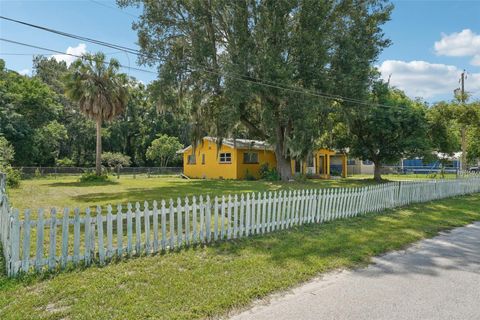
(53, 171)
(40, 240)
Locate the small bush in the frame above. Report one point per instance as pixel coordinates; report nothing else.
(13, 176)
(335, 172)
(267, 173)
(37, 173)
(91, 176)
(65, 162)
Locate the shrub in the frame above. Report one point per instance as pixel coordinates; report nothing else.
(91, 176)
(115, 161)
(335, 172)
(65, 162)
(13, 176)
(267, 173)
(37, 173)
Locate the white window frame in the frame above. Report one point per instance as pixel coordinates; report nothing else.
(225, 157)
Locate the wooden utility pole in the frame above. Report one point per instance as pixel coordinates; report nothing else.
(464, 127)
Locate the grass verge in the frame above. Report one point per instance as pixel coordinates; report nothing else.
(202, 282)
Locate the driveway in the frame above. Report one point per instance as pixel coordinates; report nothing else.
(438, 278)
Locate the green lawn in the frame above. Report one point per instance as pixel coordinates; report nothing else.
(69, 192)
(210, 281)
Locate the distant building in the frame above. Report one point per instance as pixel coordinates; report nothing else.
(239, 158)
(357, 166)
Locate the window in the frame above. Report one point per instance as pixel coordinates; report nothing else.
(225, 157)
(191, 159)
(250, 157)
(203, 158)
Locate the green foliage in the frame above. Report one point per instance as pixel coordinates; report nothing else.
(91, 176)
(163, 149)
(335, 172)
(393, 127)
(47, 142)
(26, 106)
(443, 132)
(115, 161)
(100, 91)
(13, 175)
(279, 43)
(65, 162)
(267, 173)
(300, 177)
(7, 153)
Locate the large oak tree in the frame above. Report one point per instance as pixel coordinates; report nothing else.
(253, 65)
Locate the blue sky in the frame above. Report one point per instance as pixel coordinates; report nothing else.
(433, 41)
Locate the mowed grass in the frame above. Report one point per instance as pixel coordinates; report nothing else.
(211, 281)
(67, 191)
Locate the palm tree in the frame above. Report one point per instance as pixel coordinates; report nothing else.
(100, 92)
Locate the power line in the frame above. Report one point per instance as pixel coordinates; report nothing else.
(70, 35)
(42, 53)
(240, 77)
(69, 54)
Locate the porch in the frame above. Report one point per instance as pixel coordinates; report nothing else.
(322, 164)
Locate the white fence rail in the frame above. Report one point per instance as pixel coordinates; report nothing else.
(39, 241)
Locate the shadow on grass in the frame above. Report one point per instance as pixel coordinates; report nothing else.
(82, 184)
(175, 189)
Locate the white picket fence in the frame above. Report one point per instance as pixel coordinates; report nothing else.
(75, 237)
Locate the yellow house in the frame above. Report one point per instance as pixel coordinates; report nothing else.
(236, 159)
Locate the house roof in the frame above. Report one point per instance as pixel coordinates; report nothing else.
(238, 144)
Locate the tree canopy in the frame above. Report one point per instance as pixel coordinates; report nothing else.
(391, 128)
(244, 67)
(163, 149)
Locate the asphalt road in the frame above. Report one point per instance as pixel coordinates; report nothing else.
(437, 278)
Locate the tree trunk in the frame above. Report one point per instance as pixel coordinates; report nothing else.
(98, 155)
(283, 165)
(377, 173)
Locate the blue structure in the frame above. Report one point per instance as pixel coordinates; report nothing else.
(417, 166)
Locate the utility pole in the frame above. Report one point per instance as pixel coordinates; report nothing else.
(464, 127)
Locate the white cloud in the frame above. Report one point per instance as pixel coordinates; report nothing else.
(77, 51)
(460, 44)
(24, 72)
(476, 61)
(426, 80)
